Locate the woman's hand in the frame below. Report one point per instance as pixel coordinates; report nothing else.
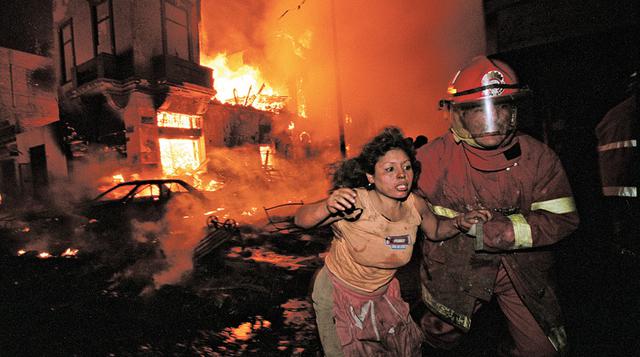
(464, 221)
(325, 211)
(340, 200)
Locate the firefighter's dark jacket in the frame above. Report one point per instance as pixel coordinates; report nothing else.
(526, 188)
(618, 134)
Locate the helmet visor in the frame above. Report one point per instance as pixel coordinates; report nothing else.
(486, 117)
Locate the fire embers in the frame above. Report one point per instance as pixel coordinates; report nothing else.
(67, 253)
(253, 302)
(42, 234)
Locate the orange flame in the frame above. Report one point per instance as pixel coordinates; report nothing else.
(266, 156)
(179, 156)
(179, 120)
(245, 330)
(243, 85)
(302, 101)
(70, 252)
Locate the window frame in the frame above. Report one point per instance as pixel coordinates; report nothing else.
(63, 60)
(165, 39)
(95, 25)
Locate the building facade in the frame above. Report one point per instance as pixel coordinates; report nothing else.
(130, 85)
(31, 155)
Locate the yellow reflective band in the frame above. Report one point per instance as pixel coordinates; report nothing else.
(618, 145)
(443, 211)
(558, 338)
(521, 231)
(558, 206)
(460, 320)
(620, 191)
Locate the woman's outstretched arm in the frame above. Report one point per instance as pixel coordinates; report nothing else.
(326, 211)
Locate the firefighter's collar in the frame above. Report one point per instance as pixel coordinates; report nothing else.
(493, 160)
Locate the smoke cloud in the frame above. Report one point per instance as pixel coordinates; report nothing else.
(394, 58)
(246, 192)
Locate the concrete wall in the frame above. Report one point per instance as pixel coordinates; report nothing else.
(44, 135)
(28, 113)
(142, 131)
(27, 94)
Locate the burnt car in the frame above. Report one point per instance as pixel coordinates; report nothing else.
(150, 201)
(142, 200)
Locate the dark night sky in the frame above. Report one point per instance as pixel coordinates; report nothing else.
(25, 25)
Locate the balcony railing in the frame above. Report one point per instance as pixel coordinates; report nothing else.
(177, 70)
(104, 66)
(165, 68)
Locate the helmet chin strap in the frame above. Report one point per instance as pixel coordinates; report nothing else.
(470, 141)
(473, 142)
(514, 117)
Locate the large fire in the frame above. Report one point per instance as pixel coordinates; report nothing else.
(236, 83)
(242, 84)
(179, 156)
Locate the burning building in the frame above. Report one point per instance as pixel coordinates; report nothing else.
(131, 87)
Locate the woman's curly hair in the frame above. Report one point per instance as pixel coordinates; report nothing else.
(351, 172)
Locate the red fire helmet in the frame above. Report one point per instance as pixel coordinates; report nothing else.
(481, 101)
(483, 78)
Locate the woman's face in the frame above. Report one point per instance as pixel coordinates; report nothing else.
(393, 174)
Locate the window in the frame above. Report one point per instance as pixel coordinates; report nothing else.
(179, 155)
(67, 50)
(146, 193)
(176, 23)
(102, 23)
(115, 193)
(176, 187)
(178, 120)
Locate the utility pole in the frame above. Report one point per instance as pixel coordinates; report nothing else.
(343, 147)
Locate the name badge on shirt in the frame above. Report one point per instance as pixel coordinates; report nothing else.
(397, 242)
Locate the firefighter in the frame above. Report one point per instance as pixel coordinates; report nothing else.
(483, 162)
(619, 159)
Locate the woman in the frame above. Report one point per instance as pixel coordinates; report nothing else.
(375, 219)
